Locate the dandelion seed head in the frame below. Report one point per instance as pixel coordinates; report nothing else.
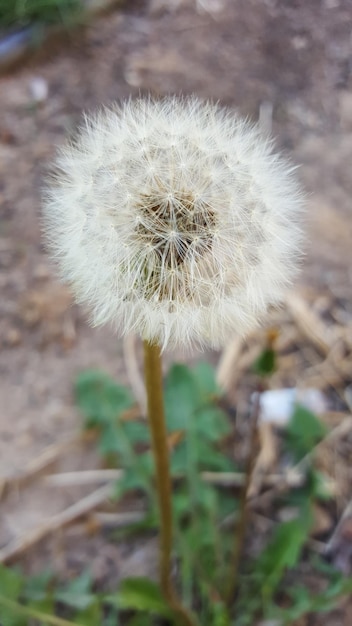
(174, 219)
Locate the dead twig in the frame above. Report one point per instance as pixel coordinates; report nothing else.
(265, 459)
(133, 372)
(339, 431)
(237, 479)
(117, 520)
(227, 368)
(321, 335)
(73, 479)
(219, 479)
(335, 535)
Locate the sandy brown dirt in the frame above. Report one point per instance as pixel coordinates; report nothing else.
(289, 62)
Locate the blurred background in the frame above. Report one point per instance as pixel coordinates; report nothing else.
(287, 64)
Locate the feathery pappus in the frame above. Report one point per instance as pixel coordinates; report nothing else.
(174, 219)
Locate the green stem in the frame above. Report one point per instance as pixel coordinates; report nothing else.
(156, 416)
(28, 612)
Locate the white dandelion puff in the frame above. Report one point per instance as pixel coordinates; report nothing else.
(174, 219)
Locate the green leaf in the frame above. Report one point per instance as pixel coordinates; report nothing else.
(112, 618)
(37, 587)
(207, 498)
(265, 365)
(9, 618)
(303, 602)
(182, 397)
(209, 458)
(118, 437)
(178, 460)
(45, 606)
(181, 504)
(140, 594)
(99, 398)
(136, 432)
(132, 480)
(211, 423)
(38, 11)
(90, 616)
(221, 616)
(109, 441)
(146, 524)
(303, 432)
(282, 553)
(324, 567)
(77, 594)
(11, 583)
(205, 376)
(303, 497)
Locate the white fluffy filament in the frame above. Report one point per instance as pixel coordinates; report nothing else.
(174, 219)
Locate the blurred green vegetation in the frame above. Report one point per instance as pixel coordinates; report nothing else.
(21, 13)
(270, 585)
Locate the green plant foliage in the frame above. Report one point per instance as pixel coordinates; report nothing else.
(190, 408)
(303, 432)
(38, 587)
(23, 12)
(100, 399)
(265, 365)
(140, 594)
(204, 375)
(11, 583)
(303, 602)
(77, 594)
(203, 543)
(282, 553)
(182, 397)
(102, 403)
(211, 424)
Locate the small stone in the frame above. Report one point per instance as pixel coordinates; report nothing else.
(38, 89)
(210, 6)
(299, 42)
(41, 272)
(12, 338)
(132, 77)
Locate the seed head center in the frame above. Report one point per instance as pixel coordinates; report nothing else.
(177, 226)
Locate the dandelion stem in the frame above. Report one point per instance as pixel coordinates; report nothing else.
(156, 416)
(153, 378)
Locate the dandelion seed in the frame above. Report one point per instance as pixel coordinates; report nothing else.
(174, 219)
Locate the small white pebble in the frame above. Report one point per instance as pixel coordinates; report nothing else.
(277, 405)
(39, 89)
